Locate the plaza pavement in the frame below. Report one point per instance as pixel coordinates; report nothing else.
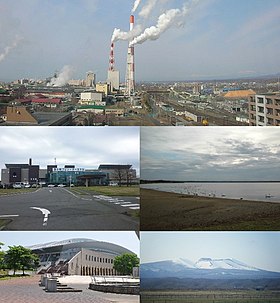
(27, 290)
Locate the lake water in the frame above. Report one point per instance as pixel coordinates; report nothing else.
(269, 192)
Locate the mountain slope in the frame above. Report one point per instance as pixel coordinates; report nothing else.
(204, 268)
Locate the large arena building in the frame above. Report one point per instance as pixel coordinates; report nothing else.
(84, 257)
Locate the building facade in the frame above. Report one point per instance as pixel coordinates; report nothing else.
(20, 173)
(114, 80)
(92, 98)
(78, 176)
(67, 175)
(264, 110)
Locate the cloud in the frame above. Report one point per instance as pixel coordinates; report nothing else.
(84, 147)
(197, 153)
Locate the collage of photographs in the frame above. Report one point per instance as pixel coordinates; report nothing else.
(139, 151)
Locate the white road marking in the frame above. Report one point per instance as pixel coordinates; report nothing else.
(45, 212)
(7, 216)
(118, 201)
(128, 205)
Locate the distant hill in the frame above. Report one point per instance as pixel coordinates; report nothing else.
(206, 273)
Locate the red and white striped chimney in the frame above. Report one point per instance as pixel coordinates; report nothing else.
(112, 58)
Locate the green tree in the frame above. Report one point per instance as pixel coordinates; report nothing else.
(21, 258)
(2, 256)
(124, 264)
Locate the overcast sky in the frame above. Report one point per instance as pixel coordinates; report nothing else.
(215, 39)
(210, 153)
(258, 249)
(84, 147)
(127, 239)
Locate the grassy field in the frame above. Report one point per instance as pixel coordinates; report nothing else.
(110, 190)
(250, 296)
(170, 211)
(10, 191)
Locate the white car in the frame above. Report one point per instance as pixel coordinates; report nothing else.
(18, 185)
(51, 185)
(61, 185)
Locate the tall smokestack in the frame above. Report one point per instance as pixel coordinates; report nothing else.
(130, 70)
(112, 58)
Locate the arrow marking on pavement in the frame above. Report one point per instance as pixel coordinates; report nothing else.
(45, 212)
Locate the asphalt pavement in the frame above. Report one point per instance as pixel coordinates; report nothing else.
(60, 209)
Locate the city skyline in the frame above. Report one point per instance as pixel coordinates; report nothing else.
(41, 37)
(257, 249)
(210, 154)
(84, 148)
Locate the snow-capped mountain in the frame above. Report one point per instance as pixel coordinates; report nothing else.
(204, 268)
(208, 263)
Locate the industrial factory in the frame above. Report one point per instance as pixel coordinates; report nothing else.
(120, 100)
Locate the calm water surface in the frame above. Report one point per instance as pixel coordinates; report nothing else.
(269, 192)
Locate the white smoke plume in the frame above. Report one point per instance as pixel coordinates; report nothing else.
(63, 77)
(7, 49)
(135, 6)
(172, 17)
(146, 10)
(125, 36)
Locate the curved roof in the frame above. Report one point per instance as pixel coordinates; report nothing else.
(90, 244)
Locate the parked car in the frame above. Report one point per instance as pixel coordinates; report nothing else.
(51, 185)
(18, 185)
(61, 185)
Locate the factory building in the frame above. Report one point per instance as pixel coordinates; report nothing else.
(78, 257)
(264, 110)
(114, 80)
(92, 98)
(103, 88)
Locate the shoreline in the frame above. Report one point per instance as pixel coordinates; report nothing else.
(172, 211)
(213, 196)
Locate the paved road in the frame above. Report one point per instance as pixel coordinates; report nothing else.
(27, 290)
(60, 209)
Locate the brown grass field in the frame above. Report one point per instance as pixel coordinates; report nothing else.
(170, 211)
(201, 296)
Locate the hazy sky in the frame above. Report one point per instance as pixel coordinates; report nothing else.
(257, 249)
(214, 39)
(85, 147)
(127, 239)
(210, 153)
